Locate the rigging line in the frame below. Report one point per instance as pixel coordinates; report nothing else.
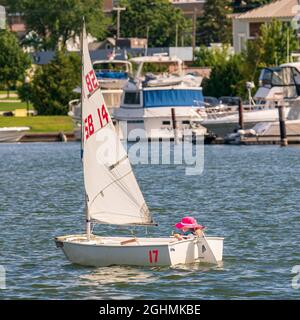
(143, 209)
(117, 163)
(107, 186)
(123, 186)
(131, 196)
(125, 189)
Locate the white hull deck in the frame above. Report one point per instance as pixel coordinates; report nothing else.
(12, 134)
(222, 124)
(106, 251)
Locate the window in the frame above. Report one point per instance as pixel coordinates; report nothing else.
(166, 123)
(132, 98)
(255, 29)
(185, 122)
(135, 121)
(296, 75)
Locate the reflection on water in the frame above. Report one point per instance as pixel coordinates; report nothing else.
(116, 274)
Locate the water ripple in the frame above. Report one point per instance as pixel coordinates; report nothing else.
(250, 195)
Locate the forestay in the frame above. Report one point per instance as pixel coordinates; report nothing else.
(113, 195)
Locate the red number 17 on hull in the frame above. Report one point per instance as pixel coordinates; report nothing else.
(153, 256)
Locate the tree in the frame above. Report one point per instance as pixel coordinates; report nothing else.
(226, 71)
(157, 18)
(210, 57)
(56, 21)
(215, 24)
(230, 73)
(226, 79)
(53, 84)
(13, 61)
(276, 41)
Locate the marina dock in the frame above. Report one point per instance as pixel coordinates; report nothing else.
(260, 140)
(48, 137)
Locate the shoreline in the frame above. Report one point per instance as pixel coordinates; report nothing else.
(48, 137)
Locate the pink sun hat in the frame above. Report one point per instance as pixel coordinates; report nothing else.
(188, 222)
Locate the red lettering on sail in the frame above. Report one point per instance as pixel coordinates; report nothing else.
(88, 83)
(91, 81)
(88, 126)
(103, 116)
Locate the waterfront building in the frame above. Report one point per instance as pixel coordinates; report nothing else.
(246, 26)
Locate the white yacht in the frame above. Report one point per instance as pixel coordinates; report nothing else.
(12, 134)
(284, 80)
(163, 104)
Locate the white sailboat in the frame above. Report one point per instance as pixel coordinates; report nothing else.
(114, 197)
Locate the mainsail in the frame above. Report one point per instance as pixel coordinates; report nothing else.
(113, 194)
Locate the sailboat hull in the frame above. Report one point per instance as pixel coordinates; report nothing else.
(106, 251)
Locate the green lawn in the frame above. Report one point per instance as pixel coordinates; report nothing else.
(10, 98)
(40, 123)
(11, 106)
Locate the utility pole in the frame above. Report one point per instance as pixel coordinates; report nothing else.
(147, 35)
(194, 31)
(176, 39)
(118, 9)
(288, 47)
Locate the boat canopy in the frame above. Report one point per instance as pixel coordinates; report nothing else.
(286, 78)
(111, 75)
(172, 98)
(280, 76)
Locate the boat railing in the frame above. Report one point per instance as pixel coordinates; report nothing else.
(227, 109)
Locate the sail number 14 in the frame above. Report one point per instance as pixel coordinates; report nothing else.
(89, 125)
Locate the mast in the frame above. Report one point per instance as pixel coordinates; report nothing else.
(87, 215)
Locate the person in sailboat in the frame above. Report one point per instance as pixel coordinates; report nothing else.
(188, 227)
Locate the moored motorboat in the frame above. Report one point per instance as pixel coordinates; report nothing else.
(284, 80)
(145, 112)
(12, 134)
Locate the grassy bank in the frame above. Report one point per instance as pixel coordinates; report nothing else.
(40, 123)
(11, 106)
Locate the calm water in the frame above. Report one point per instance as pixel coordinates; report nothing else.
(250, 195)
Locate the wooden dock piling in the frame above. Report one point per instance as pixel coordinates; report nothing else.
(241, 115)
(174, 123)
(282, 127)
